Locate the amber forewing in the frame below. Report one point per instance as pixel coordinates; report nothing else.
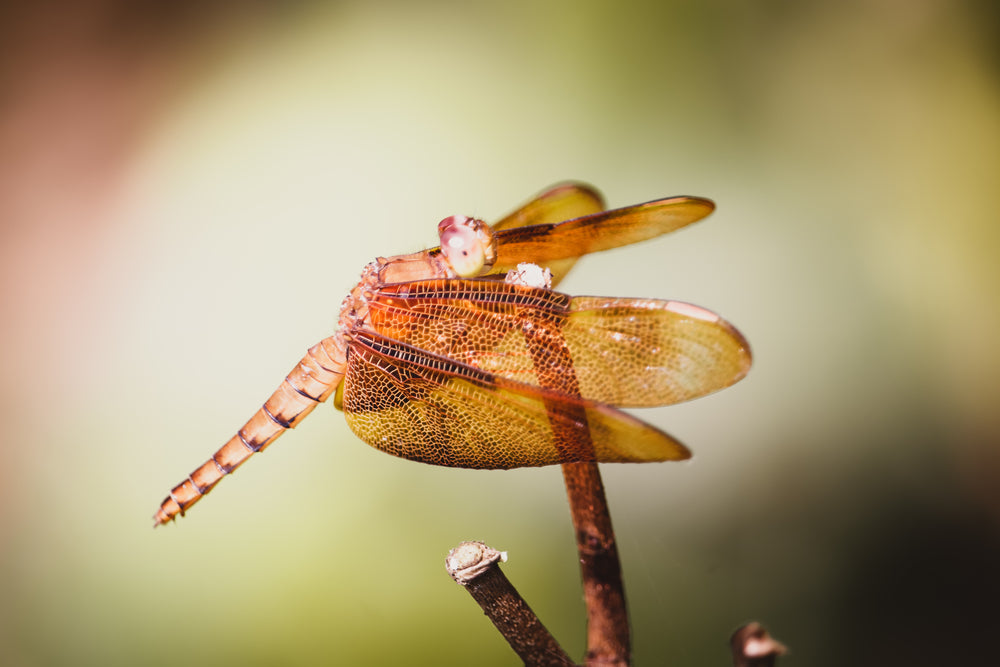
(624, 352)
(544, 243)
(563, 202)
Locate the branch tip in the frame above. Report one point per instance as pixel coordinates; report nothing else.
(470, 560)
(753, 646)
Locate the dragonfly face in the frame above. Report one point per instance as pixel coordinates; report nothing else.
(437, 359)
(468, 245)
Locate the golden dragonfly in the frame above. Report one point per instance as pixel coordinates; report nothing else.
(464, 356)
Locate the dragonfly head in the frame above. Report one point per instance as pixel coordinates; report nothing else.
(467, 244)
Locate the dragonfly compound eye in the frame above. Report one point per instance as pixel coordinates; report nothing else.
(467, 244)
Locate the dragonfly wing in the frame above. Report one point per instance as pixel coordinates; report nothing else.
(622, 352)
(646, 352)
(563, 202)
(545, 243)
(425, 407)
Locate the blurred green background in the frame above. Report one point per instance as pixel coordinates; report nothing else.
(188, 191)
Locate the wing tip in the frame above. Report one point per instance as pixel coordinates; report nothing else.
(697, 312)
(573, 185)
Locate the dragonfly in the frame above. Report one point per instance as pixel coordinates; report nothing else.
(464, 355)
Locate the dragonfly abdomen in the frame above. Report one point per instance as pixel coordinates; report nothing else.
(310, 383)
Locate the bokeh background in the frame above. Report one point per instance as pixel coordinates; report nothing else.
(187, 192)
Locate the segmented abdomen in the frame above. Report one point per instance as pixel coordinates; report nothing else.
(310, 383)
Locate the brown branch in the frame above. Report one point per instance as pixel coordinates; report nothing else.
(476, 566)
(753, 647)
(608, 634)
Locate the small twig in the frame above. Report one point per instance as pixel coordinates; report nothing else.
(476, 566)
(754, 647)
